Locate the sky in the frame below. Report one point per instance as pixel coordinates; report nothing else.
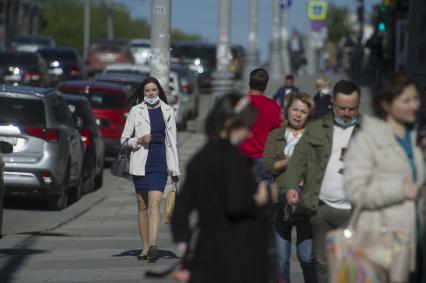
(201, 17)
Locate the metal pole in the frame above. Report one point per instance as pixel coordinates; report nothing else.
(252, 60)
(5, 19)
(223, 51)
(276, 72)
(86, 39)
(284, 40)
(222, 78)
(160, 42)
(110, 22)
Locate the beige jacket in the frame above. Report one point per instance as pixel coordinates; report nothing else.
(139, 123)
(377, 164)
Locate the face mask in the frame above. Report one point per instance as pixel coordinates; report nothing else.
(339, 122)
(326, 91)
(151, 101)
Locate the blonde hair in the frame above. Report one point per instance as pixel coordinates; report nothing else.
(321, 82)
(303, 97)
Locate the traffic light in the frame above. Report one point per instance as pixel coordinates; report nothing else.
(381, 18)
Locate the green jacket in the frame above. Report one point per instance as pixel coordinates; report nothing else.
(309, 161)
(274, 151)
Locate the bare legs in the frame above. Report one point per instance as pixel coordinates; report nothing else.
(148, 224)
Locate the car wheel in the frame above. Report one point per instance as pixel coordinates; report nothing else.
(76, 192)
(89, 184)
(61, 201)
(99, 179)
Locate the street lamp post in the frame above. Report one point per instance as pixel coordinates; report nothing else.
(276, 69)
(222, 78)
(285, 6)
(252, 60)
(110, 20)
(160, 42)
(86, 39)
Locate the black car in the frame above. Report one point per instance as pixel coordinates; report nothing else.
(199, 57)
(63, 63)
(93, 143)
(24, 68)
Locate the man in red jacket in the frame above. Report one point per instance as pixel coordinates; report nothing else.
(268, 119)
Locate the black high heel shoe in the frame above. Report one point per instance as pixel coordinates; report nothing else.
(152, 254)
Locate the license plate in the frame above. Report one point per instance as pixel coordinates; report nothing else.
(12, 78)
(56, 71)
(11, 140)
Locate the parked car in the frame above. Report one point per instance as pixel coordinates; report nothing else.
(47, 153)
(109, 104)
(94, 149)
(130, 81)
(199, 57)
(184, 90)
(64, 63)
(24, 68)
(32, 43)
(5, 147)
(141, 50)
(104, 52)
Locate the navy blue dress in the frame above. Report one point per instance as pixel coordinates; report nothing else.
(156, 165)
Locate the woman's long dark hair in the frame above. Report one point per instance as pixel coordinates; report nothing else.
(223, 110)
(138, 95)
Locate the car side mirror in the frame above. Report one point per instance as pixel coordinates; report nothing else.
(6, 147)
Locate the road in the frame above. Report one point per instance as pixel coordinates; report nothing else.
(96, 239)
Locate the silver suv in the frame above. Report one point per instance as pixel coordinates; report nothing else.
(47, 150)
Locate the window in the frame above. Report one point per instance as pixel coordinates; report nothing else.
(27, 112)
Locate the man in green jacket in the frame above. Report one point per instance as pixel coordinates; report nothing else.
(317, 164)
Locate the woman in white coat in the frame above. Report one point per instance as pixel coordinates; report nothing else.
(150, 133)
(384, 163)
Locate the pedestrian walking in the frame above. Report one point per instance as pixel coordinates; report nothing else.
(322, 98)
(268, 118)
(284, 90)
(278, 151)
(220, 185)
(384, 166)
(317, 162)
(150, 133)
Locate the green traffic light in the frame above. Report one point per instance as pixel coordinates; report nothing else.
(381, 27)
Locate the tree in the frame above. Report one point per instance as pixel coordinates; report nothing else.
(64, 21)
(337, 22)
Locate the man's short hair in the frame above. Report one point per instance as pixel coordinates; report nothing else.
(346, 87)
(258, 79)
(289, 77)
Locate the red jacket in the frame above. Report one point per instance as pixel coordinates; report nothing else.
(268, 119)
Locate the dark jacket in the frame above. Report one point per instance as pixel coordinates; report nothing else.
(233, 239)
(282, 92)
(322, 105)
(309, 161)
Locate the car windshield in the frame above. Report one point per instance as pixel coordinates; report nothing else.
(33, 40)
(11, 59)
(192, 52)
(52, 55)
(107, 100)
(21, 111)
(108, 47)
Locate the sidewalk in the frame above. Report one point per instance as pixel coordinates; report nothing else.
(99, 246)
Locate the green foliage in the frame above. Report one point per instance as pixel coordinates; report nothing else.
(64, 21)
(337, 24)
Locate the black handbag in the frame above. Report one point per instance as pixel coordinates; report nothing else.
(120, 164)
(290, 214)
